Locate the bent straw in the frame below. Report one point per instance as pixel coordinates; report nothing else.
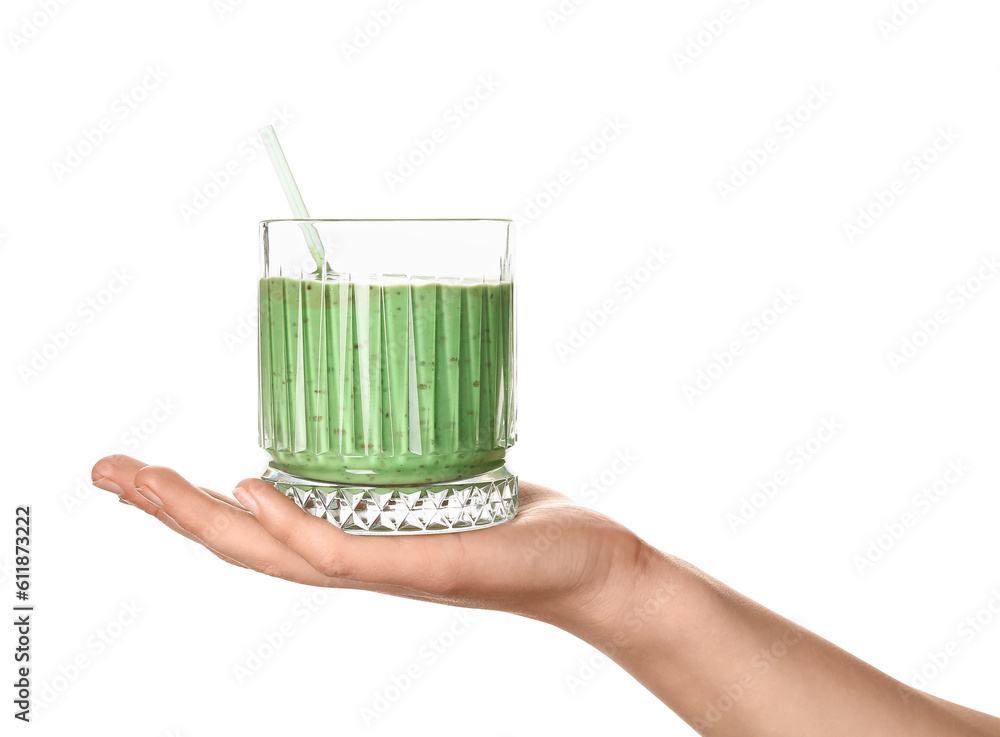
(292, 194)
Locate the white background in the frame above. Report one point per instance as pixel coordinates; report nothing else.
(173, 334)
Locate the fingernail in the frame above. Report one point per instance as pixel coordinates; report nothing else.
(108, 485)
(123, 500)
(243, 497)
(145, 493)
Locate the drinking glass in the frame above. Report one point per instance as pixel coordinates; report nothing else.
(387, 372)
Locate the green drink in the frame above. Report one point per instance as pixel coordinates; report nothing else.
(388, 401)
(409, 383)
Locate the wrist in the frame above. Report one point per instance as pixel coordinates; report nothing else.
(638, 586)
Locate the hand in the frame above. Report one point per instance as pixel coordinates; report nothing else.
(555, 561)
(688, 638)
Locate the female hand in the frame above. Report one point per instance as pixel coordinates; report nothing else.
(554, 561)
(725, 664)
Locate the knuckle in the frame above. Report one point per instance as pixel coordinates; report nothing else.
(443, 586)
(224, 558)
(281, 530)
(158, 514)
(272, 569)
(151, 476)
(213, 528)
(329, 564)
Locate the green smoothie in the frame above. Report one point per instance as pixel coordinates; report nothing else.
(409, 382)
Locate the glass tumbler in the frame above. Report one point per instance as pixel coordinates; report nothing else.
(387, 371)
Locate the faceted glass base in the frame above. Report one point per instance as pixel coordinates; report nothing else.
(453, 506)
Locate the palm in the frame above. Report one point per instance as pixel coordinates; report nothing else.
(552, 548)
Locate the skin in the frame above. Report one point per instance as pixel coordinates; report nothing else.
(722, 662)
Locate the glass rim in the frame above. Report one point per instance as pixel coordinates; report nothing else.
(386, 220)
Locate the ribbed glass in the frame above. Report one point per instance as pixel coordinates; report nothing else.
(410, 380)
(371, 376)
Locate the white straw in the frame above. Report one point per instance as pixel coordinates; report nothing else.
(292, 194)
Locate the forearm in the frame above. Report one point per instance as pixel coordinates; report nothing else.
(728, 666)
